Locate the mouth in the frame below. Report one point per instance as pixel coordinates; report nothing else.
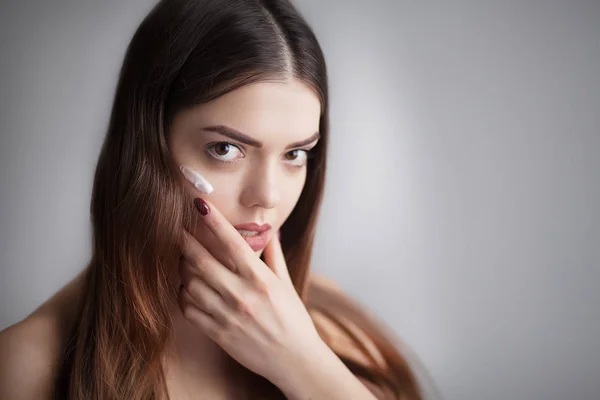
(255, 235)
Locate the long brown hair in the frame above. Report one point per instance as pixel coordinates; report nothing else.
(185, 53)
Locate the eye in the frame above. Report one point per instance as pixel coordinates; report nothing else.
(296, 157)
(225, 152)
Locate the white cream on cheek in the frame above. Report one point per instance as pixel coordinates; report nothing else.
(199, 182)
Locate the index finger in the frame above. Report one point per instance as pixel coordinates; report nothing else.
(240, 252)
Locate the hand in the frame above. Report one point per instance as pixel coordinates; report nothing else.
(254, 313)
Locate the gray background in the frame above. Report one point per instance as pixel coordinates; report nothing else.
(462, 196)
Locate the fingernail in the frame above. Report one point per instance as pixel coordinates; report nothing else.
(201, 206)
(196, 179)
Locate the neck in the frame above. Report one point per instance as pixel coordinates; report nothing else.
(189, 346)
(194, 363)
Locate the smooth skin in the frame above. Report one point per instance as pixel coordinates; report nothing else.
(253, 315)
(257, 317)
(30, 350)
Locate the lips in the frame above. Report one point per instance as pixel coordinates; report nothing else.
(254, 234)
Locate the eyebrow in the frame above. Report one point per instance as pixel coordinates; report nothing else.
(243, 138)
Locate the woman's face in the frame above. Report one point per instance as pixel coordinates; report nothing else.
(251, 144)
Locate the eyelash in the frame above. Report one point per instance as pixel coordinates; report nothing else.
(214, 158)
(310, 153)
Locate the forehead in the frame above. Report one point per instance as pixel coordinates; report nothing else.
(265, 110)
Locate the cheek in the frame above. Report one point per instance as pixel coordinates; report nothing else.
(226, 191)
(224, 199)
(290, 194)
(225, 188)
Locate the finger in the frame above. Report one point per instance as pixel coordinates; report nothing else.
(233, 243)
(200, 294)
(275, 260)
(193, 249)
(227, 284)
(198, 317)
(204, 236)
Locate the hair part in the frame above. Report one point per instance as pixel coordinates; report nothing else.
(186, 53)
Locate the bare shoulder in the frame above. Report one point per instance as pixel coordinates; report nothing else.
(31, 350)
(29, 358)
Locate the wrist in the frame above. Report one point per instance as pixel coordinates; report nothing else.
(305, 367)
(319, 374)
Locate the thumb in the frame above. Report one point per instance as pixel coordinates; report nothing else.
(275, 259)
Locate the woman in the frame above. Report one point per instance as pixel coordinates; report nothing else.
(216, 146)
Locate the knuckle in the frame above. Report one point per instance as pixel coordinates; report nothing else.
(248, 310)
(196, 290)
(226, 323)
(202, 303)
(192, 287)
(242, 304)
(202, 266)
(187, 310)
(238, 303)
(262, 287)
(233, 324)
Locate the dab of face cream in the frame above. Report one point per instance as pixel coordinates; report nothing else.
(196, 179)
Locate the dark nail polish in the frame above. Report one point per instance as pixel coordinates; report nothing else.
(201, 206)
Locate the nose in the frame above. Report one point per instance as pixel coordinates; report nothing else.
(261, 188)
